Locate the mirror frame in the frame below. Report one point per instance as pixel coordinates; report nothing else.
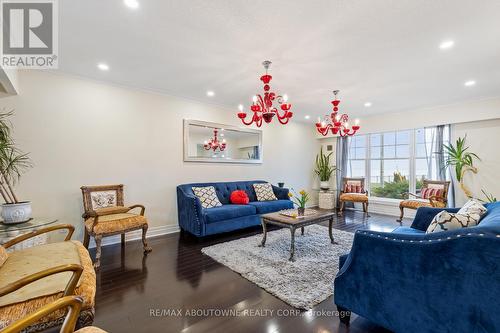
(188, 122)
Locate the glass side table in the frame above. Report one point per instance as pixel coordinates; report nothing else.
(9, 231)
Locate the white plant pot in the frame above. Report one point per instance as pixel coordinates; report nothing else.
(324, 185)
(16, 213)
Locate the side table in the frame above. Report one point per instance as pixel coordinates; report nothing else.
(327, 199)
(9, 231)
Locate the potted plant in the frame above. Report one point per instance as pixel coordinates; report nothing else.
(300, 201)
(12, 163)
(462, 160)
(323, 169)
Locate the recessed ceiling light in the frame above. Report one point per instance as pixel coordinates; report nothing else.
(134, 4)
(103, 67)
(210, 93)
(470, 83)
(446, 44)
(368, 104)
(307, 116)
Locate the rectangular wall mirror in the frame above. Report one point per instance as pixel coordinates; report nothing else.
(219, 143)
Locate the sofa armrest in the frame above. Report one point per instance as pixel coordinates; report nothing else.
(281, 193)
(189, 211)
(424, 216)
(405, 282)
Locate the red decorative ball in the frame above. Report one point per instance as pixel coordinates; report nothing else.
(239, 197)
(266, 87)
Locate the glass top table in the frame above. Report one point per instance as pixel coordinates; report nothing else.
(13, 230)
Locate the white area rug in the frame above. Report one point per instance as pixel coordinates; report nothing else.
(303, 283)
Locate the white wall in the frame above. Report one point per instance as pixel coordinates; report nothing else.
(82, 132)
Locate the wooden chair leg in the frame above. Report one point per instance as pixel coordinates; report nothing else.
(86, 238)
(98, 240)
(147, 248)
(341, 208)
(401, 208)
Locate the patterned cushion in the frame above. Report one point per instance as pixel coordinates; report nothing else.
(445, 221)
(207, 196)
(354, 186)
(264, 192)
(115, 223)
(474, 208)
(426, 193)
(354, 197)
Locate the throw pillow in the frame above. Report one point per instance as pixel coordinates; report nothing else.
(474, 208)
(264, 192)
(207, 196)
(445, 221)
(239, 197)
(429, 192)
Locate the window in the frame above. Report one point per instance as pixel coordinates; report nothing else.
(396, 163)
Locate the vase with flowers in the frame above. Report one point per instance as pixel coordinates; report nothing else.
(299, 200)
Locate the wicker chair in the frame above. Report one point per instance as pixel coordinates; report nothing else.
(353, 190)
(74, 306)
(434, 193)
(36, 276)
(105, 215)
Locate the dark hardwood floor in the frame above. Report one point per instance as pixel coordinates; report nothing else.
(143, 294)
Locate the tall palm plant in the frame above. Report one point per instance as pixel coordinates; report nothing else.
(462, 160)
(13, 162)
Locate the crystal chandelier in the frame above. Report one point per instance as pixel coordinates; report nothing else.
(214, 143)
(262, 106)
(335, 122)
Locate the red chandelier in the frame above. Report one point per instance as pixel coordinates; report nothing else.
(263, 108)
(335, 122)
(214, 143)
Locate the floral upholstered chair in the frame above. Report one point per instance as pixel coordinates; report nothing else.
(40, 275)
(105, 215)
(73, 304)
(353, 190)
(434, 193)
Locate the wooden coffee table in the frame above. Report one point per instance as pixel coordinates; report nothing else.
(295, 223)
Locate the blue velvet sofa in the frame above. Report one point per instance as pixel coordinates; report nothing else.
(228, 217)
(408, 281)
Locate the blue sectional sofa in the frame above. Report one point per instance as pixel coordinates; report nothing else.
(228, 217)
(409, 281)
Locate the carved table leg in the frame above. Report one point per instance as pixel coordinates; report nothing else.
(302, 230)
(330, 223)
(292, 245)
(264, 233)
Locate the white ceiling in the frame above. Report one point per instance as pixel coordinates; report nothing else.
(385, 51)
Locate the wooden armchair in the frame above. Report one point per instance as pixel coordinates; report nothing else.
(105, 215)
(434, 193)
(353, 190)
(34, 277)
(74, 306)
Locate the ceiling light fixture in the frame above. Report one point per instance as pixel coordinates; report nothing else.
(470, 83)
(447, 44)
(368, 104)
(262, 106)
(103, 67)
(210, 93)
(307, 116)
(134, 4)
(335, 122)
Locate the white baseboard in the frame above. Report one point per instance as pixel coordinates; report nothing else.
(137, 234)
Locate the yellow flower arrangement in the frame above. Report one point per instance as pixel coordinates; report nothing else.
(301, 200)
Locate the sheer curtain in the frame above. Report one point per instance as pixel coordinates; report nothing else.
(341, 160)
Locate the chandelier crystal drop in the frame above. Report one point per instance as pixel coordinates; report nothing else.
(214, 143)
(337, 123)
(263, 107)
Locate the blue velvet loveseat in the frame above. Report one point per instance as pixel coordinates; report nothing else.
(409, 281)
(228, 217)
